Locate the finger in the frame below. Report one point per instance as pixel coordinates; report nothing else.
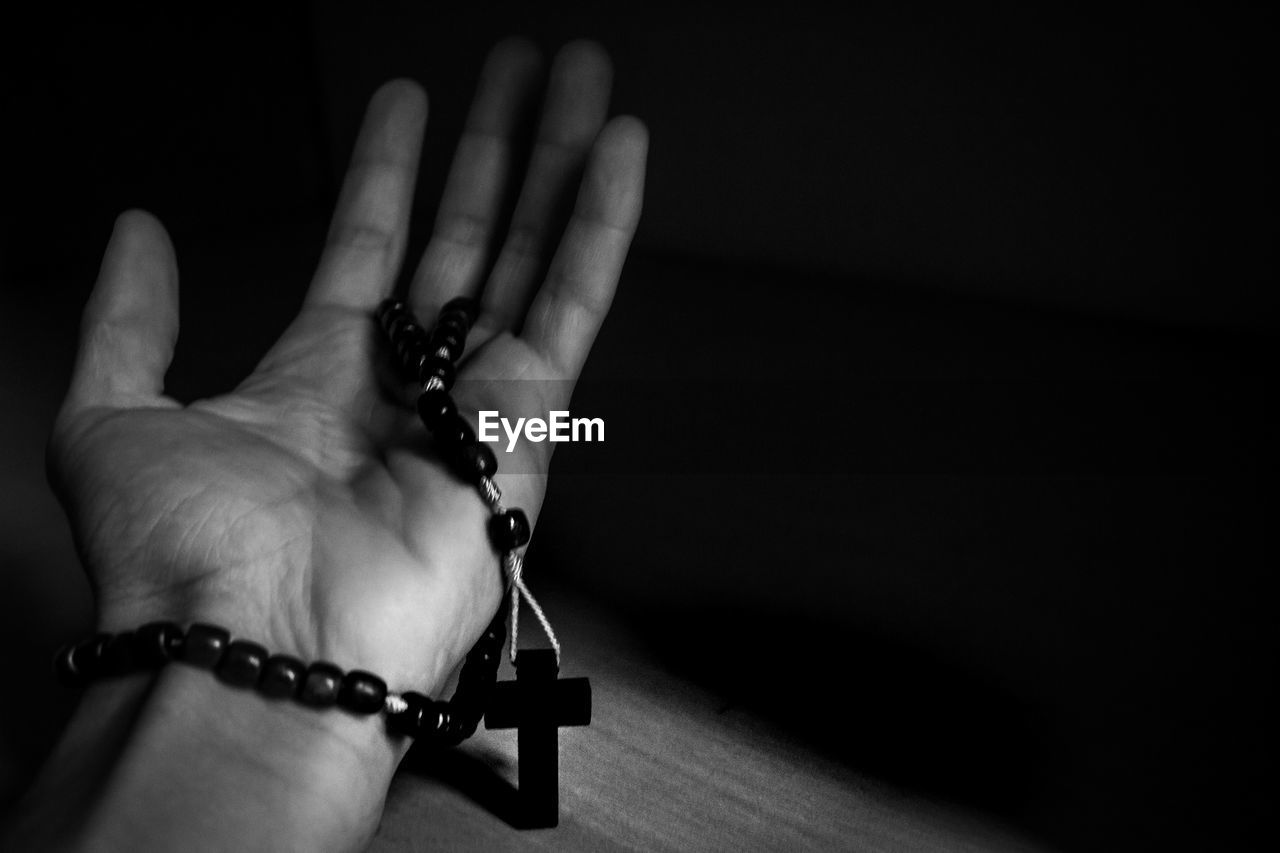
(572, 303)
(130, 323)
(455, 258)
(576, 104)
(370, 226)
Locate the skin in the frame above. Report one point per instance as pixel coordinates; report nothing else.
(305, 510)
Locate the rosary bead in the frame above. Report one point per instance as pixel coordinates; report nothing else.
(474, 460)
(419, 718)
(242, 663)
(483, 658)
(463, 305)
(204, 645)
(157, 643)
(321, 685)
(406, 331)
(441, 368)
(435, 408)
(118, 656)
(76, 665)
(387, 310)
(410, 348)
(399, 326)
(447, 338)
(362, 692)
(455, 433)
(509, 530)
(455, 322)
(282, 677)
(457, 725)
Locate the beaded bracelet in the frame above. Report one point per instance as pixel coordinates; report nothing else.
(242, 663)
(537, 703)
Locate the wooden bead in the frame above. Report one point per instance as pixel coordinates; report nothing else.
(455, 433)
(157, 643)
(410, 349)
(464, 306)
(362, 692)
(473, 461)
(509, 530)
(387, 310)
(321, 685)
(76, 665)
(457, 723)
(282, 677)
(436, 408)
(398, 324)
(438, 367)
(117, 656)
(447, 338)
(205, 645)
(242, 663)
(454, 322)
(420, 718)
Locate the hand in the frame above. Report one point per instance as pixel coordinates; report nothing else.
(301, 510)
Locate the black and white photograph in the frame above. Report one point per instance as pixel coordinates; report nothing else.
(656, 426)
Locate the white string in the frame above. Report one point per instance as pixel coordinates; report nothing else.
(513, 562)
(395, 704)
(492, 494)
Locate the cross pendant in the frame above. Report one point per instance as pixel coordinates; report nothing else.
(537, 704)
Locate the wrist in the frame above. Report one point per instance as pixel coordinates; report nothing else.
(179, 757)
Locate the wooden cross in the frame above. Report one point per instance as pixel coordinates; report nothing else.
(537, 704)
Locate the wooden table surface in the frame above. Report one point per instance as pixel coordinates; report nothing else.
(663, 766)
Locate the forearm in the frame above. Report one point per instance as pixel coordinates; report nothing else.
(178, 760)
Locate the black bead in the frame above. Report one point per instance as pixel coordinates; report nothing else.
(242, 663)
(439, 367)
(464, 305)
(118, 656)
(475, 686)
(420, 718)
(399, 324)
(362, 692)
(406, 331)
(392, 321)
(387, 310)
(454, 322)
(457, 724)
(447, 338)
(474, 460)
(157, 643)
(282, 677)
(435, 408)
(321, 685)
(455, 433)
(490, 643)
(509, 530)
(411, 346)
(483, 658)
(76, 665)
(204, 645)
(467, 707)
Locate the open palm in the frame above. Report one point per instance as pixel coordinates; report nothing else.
(305, 510)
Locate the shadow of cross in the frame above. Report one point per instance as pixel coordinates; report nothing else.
(537, 704)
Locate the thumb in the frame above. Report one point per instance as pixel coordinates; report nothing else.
(130, 323)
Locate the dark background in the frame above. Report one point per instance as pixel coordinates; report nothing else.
(935, 387)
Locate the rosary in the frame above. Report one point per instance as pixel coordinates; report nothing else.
(536, 704)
